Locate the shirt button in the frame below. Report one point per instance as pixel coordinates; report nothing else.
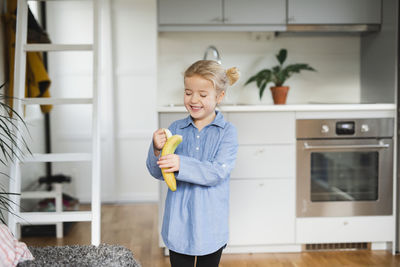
(197, 148)
(198, 136)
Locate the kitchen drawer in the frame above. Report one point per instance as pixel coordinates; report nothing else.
(344, 229)
(264, 161)
(262, 211)
(264, 127)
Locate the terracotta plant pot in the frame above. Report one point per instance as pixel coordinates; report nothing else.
(279, 94)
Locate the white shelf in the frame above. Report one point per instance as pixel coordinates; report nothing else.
(39, 194)
(289, 107)
(57, 47)
(53, 217)
(58, 157)
(56, 101)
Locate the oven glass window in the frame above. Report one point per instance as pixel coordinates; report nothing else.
(344, 176)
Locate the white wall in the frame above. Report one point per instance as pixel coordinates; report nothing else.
(134, 42)
(335, 57)
(147, 71)
(135, 46)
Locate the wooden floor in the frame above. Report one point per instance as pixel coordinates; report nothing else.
(135, 227)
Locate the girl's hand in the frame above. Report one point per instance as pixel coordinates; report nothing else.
(159, 140)
(169, 162)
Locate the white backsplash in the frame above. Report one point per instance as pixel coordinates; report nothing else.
(335, 57)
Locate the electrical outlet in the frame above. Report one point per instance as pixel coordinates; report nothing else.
(262, 36)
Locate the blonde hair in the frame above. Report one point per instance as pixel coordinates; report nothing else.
(213, 71)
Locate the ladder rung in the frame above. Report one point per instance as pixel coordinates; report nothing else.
(39, 194)
(54, 157)
(53, 217)
(55, 101)
(58, 47)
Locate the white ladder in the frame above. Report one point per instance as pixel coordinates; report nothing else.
(21, 47)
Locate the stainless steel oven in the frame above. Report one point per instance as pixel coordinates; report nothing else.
(344, 167)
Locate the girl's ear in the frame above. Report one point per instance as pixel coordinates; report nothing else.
(220, 97)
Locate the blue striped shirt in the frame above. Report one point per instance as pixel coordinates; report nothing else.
(196, 214)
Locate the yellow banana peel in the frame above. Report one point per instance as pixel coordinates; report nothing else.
(167, 132)
(169, 148)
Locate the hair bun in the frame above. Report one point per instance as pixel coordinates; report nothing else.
(233, 75)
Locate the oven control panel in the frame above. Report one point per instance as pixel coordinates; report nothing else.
(345, 128)
(324, 128)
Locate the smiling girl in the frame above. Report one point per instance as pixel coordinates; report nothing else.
(195, 223)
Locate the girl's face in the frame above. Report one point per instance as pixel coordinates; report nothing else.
(201, 98)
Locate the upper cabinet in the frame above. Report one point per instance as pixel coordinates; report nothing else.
(266, 15)
(334, 11)
(254, 12)
(186, 12)
(247, 15)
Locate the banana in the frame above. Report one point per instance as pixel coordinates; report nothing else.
(169, 148)
(167, 132)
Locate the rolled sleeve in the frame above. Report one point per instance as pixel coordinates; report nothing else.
(210, 173)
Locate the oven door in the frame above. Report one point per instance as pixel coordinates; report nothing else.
(344, 177)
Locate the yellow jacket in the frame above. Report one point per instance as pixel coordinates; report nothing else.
(37, 82)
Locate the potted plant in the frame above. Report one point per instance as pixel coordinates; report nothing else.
(277, 75)
(9, 148)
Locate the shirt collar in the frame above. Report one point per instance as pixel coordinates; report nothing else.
(218, 121)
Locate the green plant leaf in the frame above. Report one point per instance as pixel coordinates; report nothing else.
(251, 79)
(296, 68)
(10, 125)
(262, 88)
(281, 56)
(278, 76)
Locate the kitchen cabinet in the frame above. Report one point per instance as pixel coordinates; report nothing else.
(262, 204)
(344, 229)
(334, 12)
(261, 161)
(254, 12)
(194, 12)
(264, 127)
(212, 14)
(262, 212)
(266, 15)
(262, 193)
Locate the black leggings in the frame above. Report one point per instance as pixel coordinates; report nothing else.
(182, 260)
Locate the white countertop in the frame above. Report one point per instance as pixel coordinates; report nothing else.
(290, 107)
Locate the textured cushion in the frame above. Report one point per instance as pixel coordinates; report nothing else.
(103, 255)
(11, 250)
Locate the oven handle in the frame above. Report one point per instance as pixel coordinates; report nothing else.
(380, 146)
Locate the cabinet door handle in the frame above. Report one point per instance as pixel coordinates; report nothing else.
(217, 19)
(260, 151)
(291, 19)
